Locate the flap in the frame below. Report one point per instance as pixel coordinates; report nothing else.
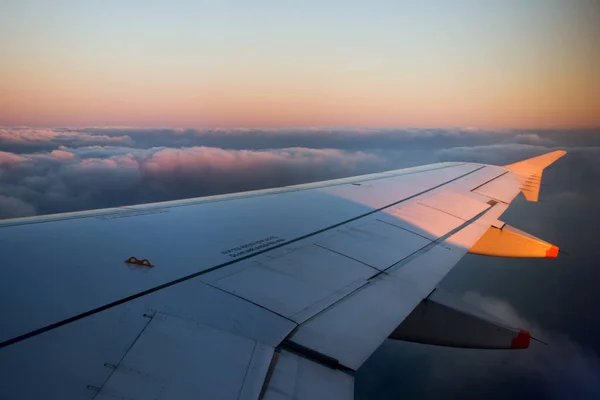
(178, 359)
(446, 321)
(509, 241)
(297, 378)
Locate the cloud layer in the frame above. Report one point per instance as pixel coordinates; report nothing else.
(563, 369)
(56, 170)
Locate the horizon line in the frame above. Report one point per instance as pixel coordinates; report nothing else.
(306, 127)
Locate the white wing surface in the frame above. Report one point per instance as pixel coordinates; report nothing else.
(274, 294)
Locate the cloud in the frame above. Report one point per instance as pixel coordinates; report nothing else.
(24, 140)
(563, 369)
(63, 169)
(64, 155)
(10, 158)
(572, 370)
(495, 154)
(497, 307)
(11, 207)
(224, 160)
(29, 135)
(323, 138)
(97, 177)
(532, 139)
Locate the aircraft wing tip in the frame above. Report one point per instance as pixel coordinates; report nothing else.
(522, 340)
(552, 252)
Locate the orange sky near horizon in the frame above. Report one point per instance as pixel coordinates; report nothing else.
(486, 66)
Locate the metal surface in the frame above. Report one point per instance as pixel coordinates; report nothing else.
(374, 243)
(504, 188)
(529, 172)
(420, 219)
(68, 359)
(352, 329)
(257, 372)
(297, 284)
(427, 268)
(69, 362)
(443, 321)
(296, 378)
(195, 301)
(508, 241)
(178, 359)
(387, 298)
(183, 239)
(478, 178)
(381, 192)
(460, 205)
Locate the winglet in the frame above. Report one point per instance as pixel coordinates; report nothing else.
(529, 172)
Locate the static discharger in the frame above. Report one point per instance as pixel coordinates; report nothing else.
(143, 263)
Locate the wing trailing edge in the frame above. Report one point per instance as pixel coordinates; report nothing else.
(529, 172)
(443, 320)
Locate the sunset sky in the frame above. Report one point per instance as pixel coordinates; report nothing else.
(486, 64)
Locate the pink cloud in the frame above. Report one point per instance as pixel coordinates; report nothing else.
(63, 155)
(125, 161)
(10, 158)
(121, 161)
(225, 160)
(24, 135)
(98, 162)
(28, 135)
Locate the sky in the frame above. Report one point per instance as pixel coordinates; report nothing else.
(213, 63)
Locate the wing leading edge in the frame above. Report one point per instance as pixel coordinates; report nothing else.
(273, 294)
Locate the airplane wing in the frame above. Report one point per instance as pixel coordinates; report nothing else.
(272, 294)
